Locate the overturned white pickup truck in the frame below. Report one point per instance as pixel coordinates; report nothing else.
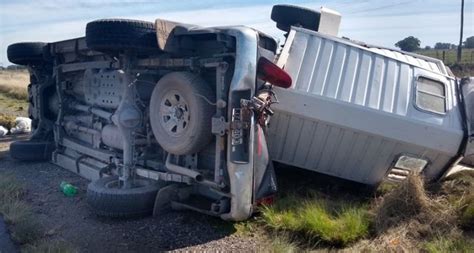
(168, 115)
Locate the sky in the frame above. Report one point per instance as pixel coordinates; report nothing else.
(379, 22)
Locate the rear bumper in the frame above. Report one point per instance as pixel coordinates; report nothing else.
(241, 172)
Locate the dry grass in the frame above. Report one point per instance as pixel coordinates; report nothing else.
(18, 214)
(282, 243)
(405, 218)
(47, 246)
(14, 83)
(459, 190)
(452, 243)
(410, 203)
(408, 219)
(13, 95)
(24, 228)
(7, 121)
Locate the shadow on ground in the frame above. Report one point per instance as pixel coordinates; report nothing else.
(71, 220)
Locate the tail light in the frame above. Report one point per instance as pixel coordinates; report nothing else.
(271, 73)
(266, 201)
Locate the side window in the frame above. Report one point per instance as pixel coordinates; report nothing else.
(430, 95)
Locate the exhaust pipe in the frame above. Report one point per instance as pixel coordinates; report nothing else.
(182, 170)
(189, 173)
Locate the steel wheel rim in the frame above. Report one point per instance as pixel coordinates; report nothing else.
(174, 113)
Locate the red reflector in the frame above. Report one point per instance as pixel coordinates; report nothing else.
(266, 201)
(269, 72)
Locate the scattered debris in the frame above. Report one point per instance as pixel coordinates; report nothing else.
(22, 125)
(3, 131)
(68, 189)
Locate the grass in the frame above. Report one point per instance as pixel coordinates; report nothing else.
(7, 121)
(46, 246)
(461, 69)
(23, 227)
(331, 222)
(450, 56)
(402, 217)
(13, 84)
(459, 189)
(16, 213)
(283, 244)
(13, 96)
(467, 212)
(442, 245)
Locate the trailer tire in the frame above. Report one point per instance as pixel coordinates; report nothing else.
(26, 53)
(286, 16)
(120, 34)
(191, 95)
(109, 201)
(31, 150)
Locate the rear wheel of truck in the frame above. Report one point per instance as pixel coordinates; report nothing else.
(26, 53)
(106, 197)
(286, 16)
(181, 113)
(32, 150)
(120, 34)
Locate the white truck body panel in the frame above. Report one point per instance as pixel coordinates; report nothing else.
(351, 110)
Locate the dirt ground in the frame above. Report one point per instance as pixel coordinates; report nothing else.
(71, 220)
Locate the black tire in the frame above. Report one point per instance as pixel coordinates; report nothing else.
(31, 150)
(120, 34)
(193, 128)
(106, 199)
(288, 15)
(26, 53)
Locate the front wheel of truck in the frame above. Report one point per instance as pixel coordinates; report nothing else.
(32, 150)
(26, 53)
(108, 198)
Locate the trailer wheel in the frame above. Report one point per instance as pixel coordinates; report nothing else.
(26, 53)
(286, 16)
(107, 198)
(120, 34)
(31, 150)
(181, 113)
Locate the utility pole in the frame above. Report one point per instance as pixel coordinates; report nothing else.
(460, 35)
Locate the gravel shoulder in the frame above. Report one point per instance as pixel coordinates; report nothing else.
(71, 220)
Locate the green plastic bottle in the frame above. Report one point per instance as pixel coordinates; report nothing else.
(68, 189)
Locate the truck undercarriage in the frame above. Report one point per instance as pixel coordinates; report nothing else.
(128, 115)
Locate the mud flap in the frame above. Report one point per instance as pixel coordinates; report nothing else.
(268, 186)
(163, 199)
(265, 183)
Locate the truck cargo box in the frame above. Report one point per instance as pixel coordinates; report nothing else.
(363, 113)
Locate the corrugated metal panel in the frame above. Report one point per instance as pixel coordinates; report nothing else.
(370, 82)
(332, 69)
(339, 151)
